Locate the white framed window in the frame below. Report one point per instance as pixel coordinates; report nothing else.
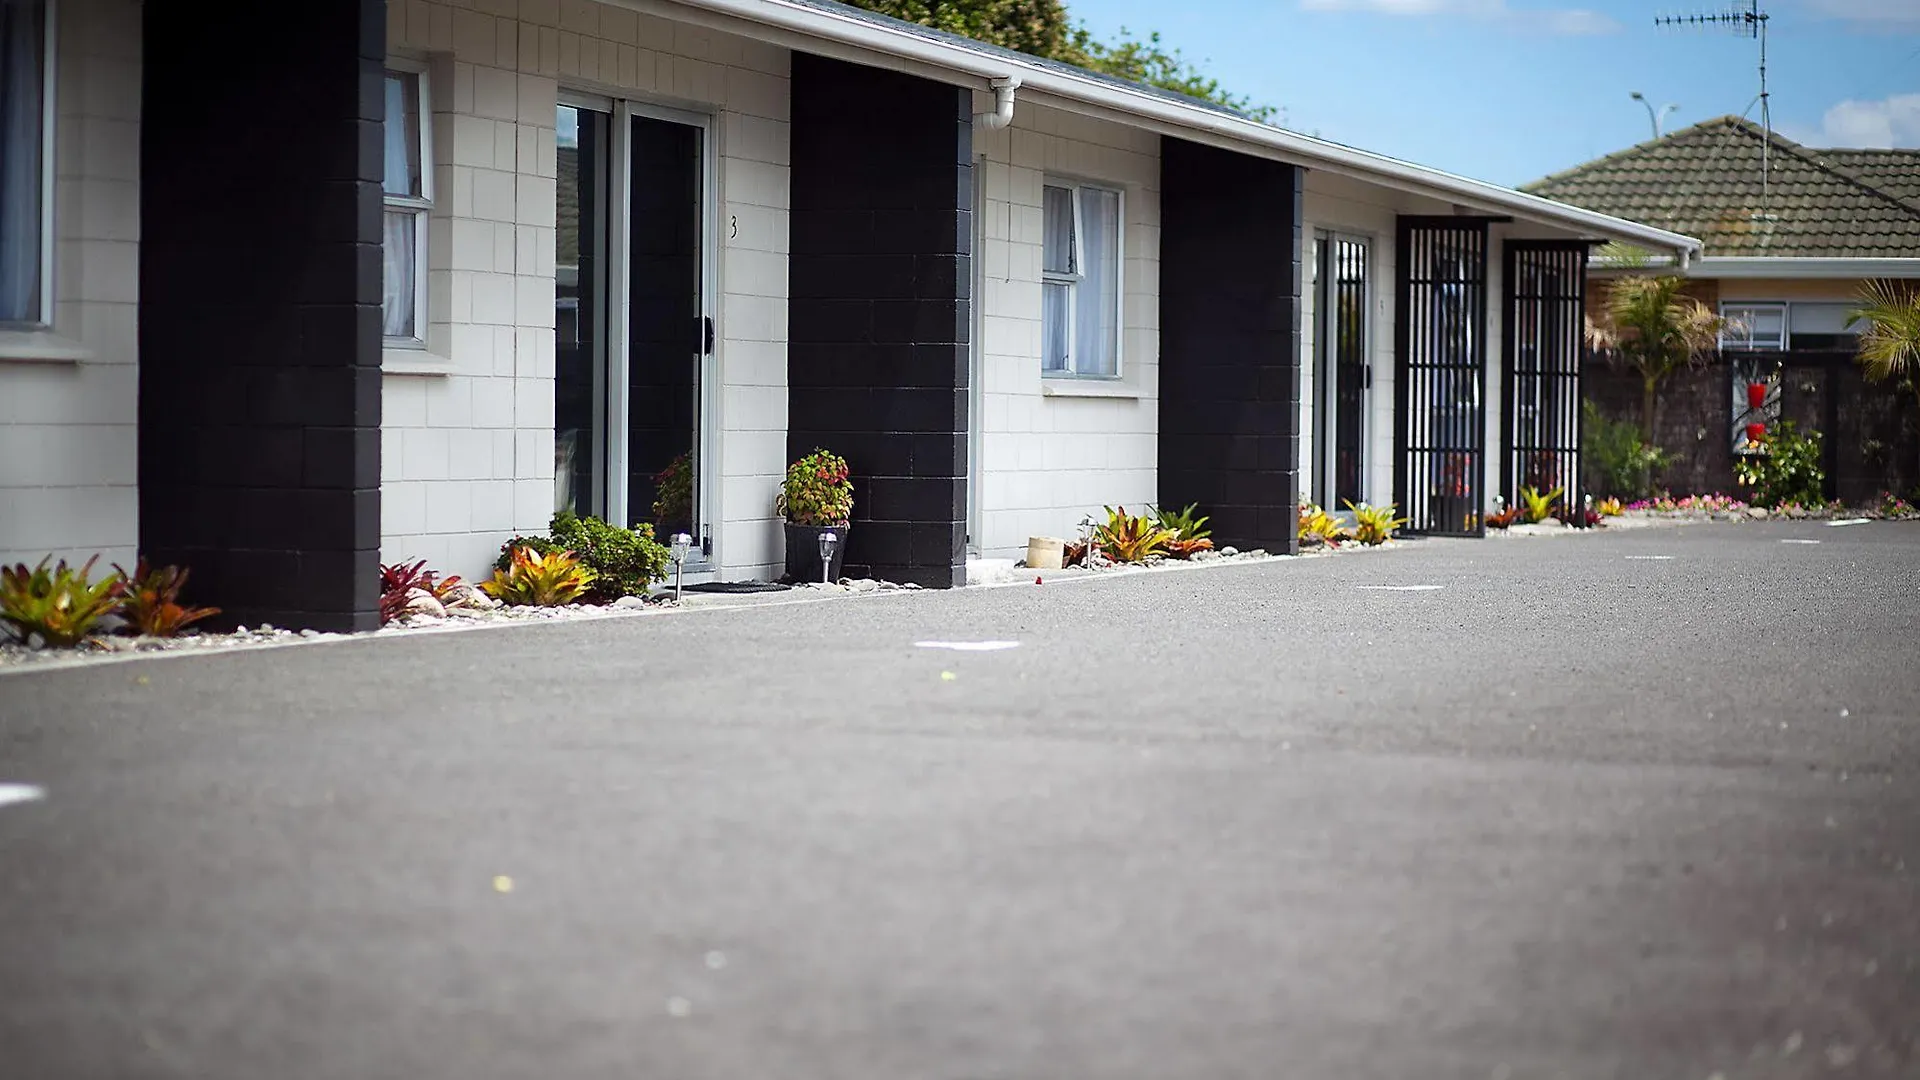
(1754, 327)
(1080, 280)
(407, 190)
(26, 162)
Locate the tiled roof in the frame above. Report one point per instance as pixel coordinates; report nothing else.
(1705, 181)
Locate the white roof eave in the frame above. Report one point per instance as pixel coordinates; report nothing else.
(843, 32)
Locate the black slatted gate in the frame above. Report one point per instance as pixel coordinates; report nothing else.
(1546, 286)
(1440, 354)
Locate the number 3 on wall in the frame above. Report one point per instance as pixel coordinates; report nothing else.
(733, 226)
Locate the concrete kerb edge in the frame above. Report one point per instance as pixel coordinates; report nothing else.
(732, 604)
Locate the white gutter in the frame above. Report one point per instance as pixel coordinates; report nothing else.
(1002, 114)
(839, 32)
(1773, 268)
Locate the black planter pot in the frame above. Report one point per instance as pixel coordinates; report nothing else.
(803, 552)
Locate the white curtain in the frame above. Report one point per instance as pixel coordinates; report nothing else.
(21, 83)
(398, 174)
(1098, 307)
(397, 248)
(1057, 226)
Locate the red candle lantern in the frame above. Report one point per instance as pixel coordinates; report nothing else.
(1756, 394)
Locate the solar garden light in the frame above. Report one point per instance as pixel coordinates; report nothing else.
(680, 547)
(828, 541)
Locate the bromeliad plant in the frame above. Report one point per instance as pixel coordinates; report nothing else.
(1130, 538)
(1374, 525)
(817, 492)
(1318, 527)
(60, 605)
(1187, 533)
(1539, 505)
(539, 579)
(399, 580)
(150, 600)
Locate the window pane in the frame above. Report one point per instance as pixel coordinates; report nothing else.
(1057, 225)
(402, 174)
(1754, 327)
(398, 247)
(22, 82)
(1056, 301)
(1098, 308)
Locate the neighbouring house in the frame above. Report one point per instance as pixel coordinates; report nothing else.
(426, 272)
(1783, 260)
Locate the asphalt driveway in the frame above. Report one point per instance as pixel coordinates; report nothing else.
(1640, 805)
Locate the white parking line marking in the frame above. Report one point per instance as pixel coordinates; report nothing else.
(1799, 541)
(16, 793)
(1402, 588)
(1652, 558)
(1846, 521)
(967, 646)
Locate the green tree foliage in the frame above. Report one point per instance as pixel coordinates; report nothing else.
(1042, 28)
(1035, 27)
(1145, 60)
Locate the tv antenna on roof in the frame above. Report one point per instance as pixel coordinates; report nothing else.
(1751, 23)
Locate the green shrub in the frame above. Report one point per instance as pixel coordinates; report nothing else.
(1788, 472)
(624, 561)
(61, 604)
(817, 491)
(1617, 461)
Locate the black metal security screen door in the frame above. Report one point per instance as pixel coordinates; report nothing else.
(1440, 362)
(1341, 371)
(1546, 286)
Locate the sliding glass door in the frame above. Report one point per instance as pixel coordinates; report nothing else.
(634, 331)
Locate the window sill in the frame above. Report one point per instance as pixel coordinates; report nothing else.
(40, 347)
(414, 362)
(1089, 388)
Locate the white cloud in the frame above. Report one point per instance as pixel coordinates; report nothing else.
(1562, 21)
(1884, 124)
(1898, 12)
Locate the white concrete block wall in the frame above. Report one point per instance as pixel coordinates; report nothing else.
(467, 440)
(1050, 453)
(1338, 204)
(68, 457)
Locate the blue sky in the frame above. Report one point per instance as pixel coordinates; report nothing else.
(1511, 90)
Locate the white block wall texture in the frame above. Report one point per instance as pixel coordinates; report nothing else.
(67, 428)
(467, 438)
(1050, 454)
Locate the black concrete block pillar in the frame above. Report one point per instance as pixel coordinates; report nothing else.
(877, 364)
(1230, 265)
(260, 307)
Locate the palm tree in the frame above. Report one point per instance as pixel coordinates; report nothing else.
(1890, 344)
(1656, 331)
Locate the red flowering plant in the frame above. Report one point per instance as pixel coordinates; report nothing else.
(817, 491)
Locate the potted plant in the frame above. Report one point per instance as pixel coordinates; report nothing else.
(816, 498)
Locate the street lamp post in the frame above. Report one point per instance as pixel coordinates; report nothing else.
(1653, 117)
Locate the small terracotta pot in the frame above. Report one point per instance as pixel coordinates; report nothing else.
(1756, 394)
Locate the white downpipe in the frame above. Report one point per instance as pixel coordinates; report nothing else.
(1002, 114)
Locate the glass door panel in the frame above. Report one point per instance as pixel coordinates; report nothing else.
(579, 316)
(669, 333)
